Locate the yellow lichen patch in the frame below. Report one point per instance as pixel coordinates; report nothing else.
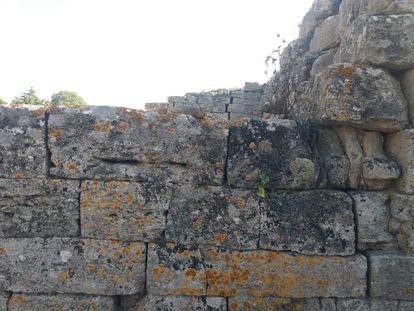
(104, 127)
(17, 175)
(219, 238)
(62, 276)
(346, 71)
(55, 133)
(252, 146)
(71, 166)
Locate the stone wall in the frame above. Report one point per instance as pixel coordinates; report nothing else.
(188, 206)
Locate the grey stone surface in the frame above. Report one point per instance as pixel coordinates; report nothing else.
(378, 171)
(372, 213)
(214, 216)
(26, 302)
(407, 81)
(391, 276)
(272, 303)
(39, 208)
(326, 35)
(72, 265)
(3, 301)
(253, 87)
(362, 97)
(154, 106)
(174, 269)
(22, 142)
(328, 304)
(366, 305)
(128, 211)
(391, 7)
(323, 62)
(120, 143)
(174, 303)
(309, 222)
(406, 306)
(279, 149)
(402, 212)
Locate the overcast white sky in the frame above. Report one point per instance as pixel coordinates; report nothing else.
(128, 52)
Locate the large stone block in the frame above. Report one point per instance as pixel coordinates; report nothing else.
(123, 144)
(391, 276)
(72, 265)
(326, 35)
(391, 7)
(214, 216)
(279, 149)
(39, 208)
(309, 222)
(174, 269)
(362, 97)
(245, 303)
(366, 305)
(181, 303)
(263, 273)
(128, 211)
(22, 142)
(25, 302)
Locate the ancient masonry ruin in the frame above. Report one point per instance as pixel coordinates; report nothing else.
(307, 205)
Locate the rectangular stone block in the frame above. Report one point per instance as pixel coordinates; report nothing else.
(174, 269)
(184, 303)
(122, 144)
(366, 304)
(128, 211)
(245, 109)
(214, 216)
(237, 116)
(72, 265)
(391, 276)
(402, 220)
(245, 303)
(308, 222)
(22, 142)
(263, 273)
(279, 149)
(39, 208)
(26, 302)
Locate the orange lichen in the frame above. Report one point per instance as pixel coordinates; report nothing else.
(71, 166)
(55, 133)
(252, 145)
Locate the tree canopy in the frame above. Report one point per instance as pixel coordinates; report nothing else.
(67, 99)
(28, 98)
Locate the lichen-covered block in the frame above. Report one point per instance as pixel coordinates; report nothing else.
(308, 222)
(214, 216)
(72, 265)
(362, 97)
(174, 269)
(249, 303)
(124, 144)
(366, 305)
(26, 302)
(39, 208)
(22, 142)
(278, 149)
(120, 210)
(263, 273)
(391, 276)
(373, 216)
(181, 303)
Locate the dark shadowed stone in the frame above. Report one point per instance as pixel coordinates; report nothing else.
(128, 211)
(39, 208)
(119, 143)
(310, 222)
(182, 303)
(22, 142)
(72, 265)
(214, 216)
(278, 149)
(366, 305)
(245, 303)
(174, 269)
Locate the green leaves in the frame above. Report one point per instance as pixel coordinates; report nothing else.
(264, 179)
(67, 99)
(28, 98)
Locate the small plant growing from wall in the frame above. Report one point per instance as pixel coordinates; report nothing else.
(272, 60)
(264, 179)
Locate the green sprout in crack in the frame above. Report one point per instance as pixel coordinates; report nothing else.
(264, 179)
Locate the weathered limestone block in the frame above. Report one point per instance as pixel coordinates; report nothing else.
(213, 101)
(155, 106)
(128, 211)
(373, 216)
(249, 303)
(174, 269)
(391, 276)
(22, 142)
(72, 265)
(408, 87)
(323, 62)
(326, 35)
(309, 222)
(253, 87)
(279, 149)
(349, 10)
(393, 7)
(366, 305)
(383, 40)
(39, 208)
(178, 303)
(214, 216)
(263, 273)
(400, 147)
(25, 302)
(362, 97)
(402, 222)
(119, 143)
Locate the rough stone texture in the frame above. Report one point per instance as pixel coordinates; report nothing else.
(119, 143)
(366, 305)
(310, 222)
(3, 301)
(279, 149)
(24, 302)
(171, 303)
(241, 303)
(22, 142)
(372, 215)
(400, 146)
(323, 62)
(406, 306)
(390, 6)
(402, 222)
(408, 87)
(391, 276)
(383, 40)
(326, 35)
(264, 273)
(39, 208)
(64, 265)
(155, 106)
(127, 211)
(361, 97)
(214, 216)
(174, 269)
